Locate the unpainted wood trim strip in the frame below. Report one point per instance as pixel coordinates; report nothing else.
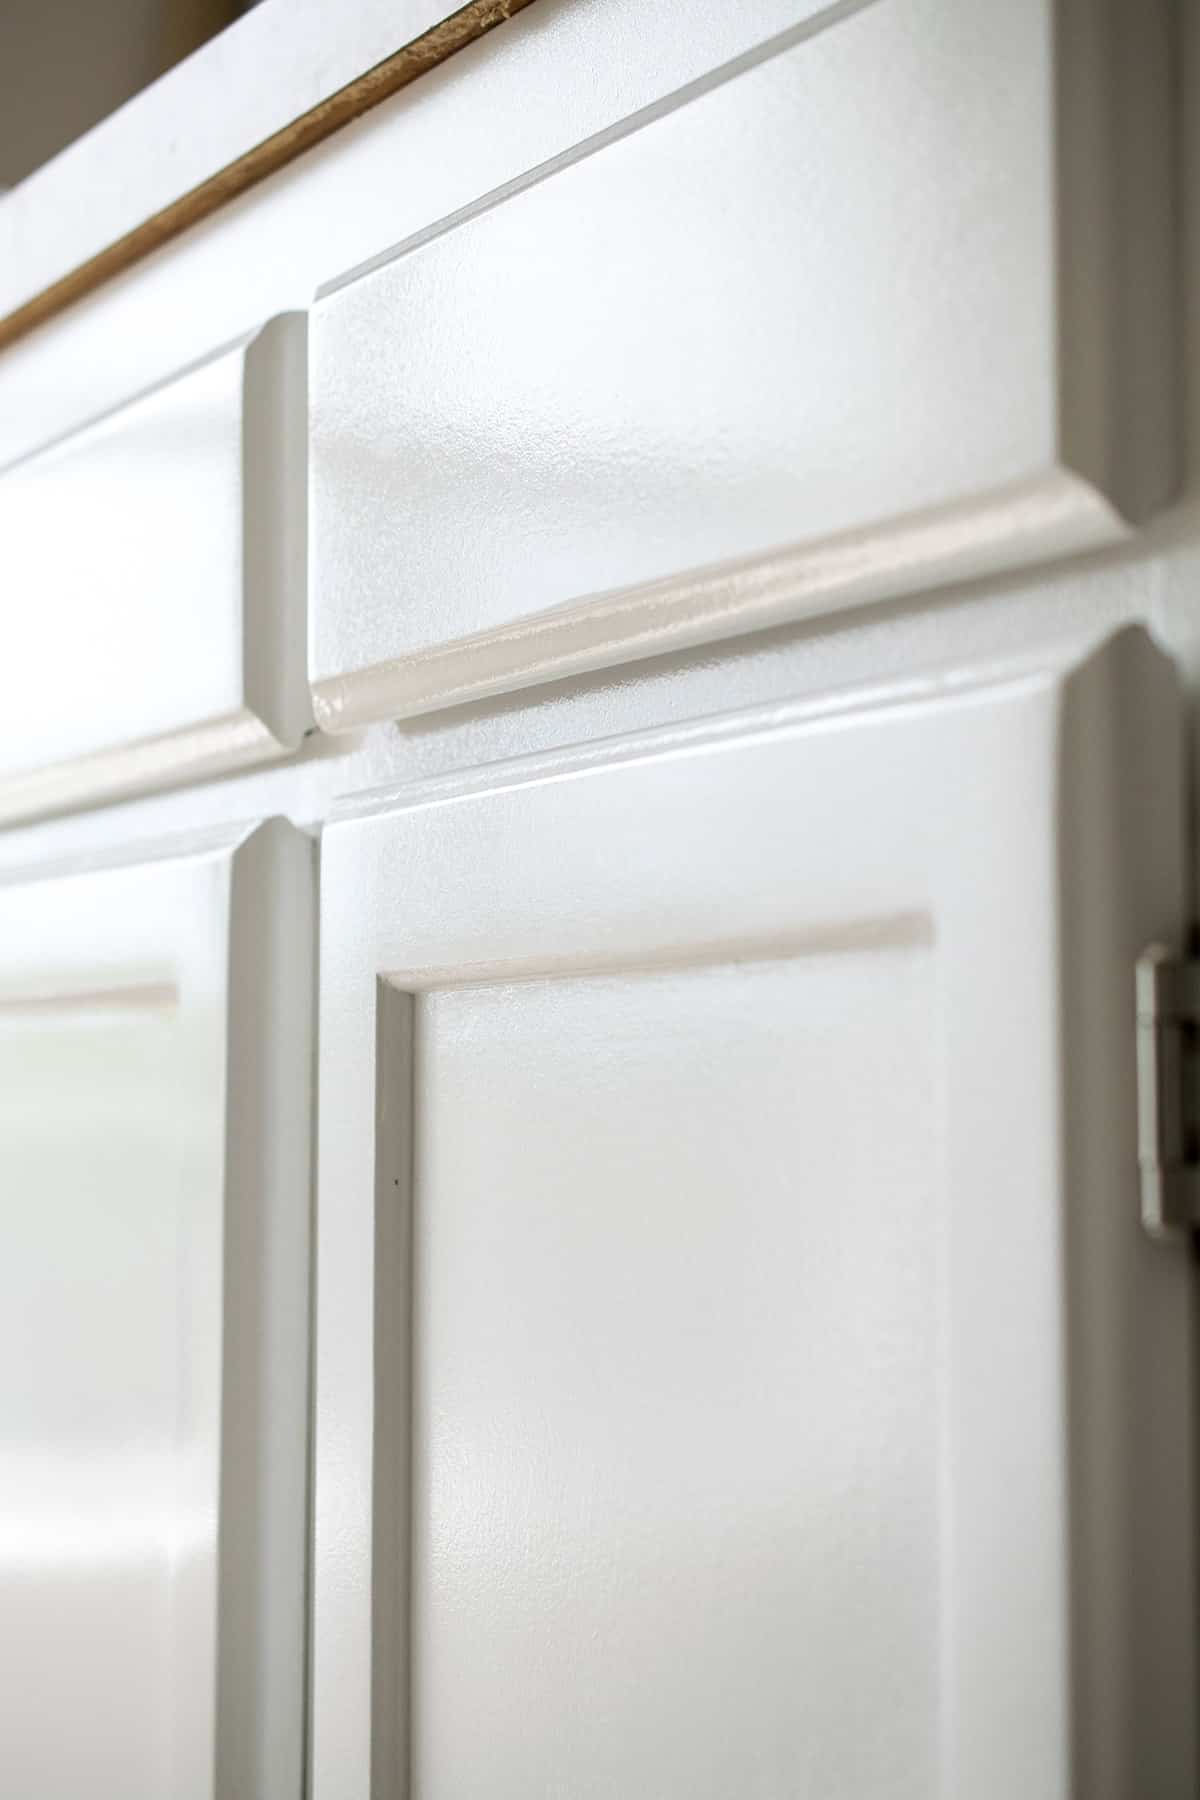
(376, 84)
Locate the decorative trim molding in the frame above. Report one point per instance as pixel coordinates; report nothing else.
(1026, 523)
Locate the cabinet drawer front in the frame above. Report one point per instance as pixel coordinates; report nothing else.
(805, 336)
(155, 1036)
(153, 563)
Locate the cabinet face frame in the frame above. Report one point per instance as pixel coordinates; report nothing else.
(1031, 831)
(220, 931)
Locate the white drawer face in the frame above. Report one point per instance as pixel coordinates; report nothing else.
(153, 1325)
(804, 334)
(152, 569)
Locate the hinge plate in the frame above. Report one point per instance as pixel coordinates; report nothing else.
(1168, 1031)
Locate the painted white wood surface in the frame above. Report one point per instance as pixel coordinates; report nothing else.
(153, 565)
(247, 83)
(869, 303)
(458, 135)
(739, 1366)
(155, 1046)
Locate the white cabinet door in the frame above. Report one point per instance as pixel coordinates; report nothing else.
(155, 1041)
(740, 1367)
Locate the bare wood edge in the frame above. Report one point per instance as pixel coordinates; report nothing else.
(367, 90)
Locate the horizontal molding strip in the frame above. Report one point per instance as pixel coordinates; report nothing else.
(1027, 523)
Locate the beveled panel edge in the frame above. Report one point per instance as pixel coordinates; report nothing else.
(196, 753)
(275, 527)
(1051, 515)
(1117, 251)
(266, 1296)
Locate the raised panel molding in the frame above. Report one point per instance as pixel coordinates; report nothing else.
(885, 306)
(156, 1041)
(153, 565)
(737, 1351)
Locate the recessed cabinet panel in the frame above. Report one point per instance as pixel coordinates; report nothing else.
(740, 1368)
(854, 321)
(678, 1383)
(99, 1273)
(153, 566)
(153, 1325)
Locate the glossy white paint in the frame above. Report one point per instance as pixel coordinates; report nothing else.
(155, 562)
(679, 1379)
(727, 1241)
(751, 325)
(564, 1443)
(155, 1045)
(594, 67)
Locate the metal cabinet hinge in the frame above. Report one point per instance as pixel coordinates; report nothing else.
(1168, 1069)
